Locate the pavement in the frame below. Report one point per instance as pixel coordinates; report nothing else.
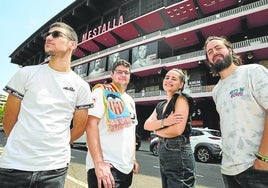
(77, 179)
(145, 145)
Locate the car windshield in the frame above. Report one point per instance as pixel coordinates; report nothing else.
(215, 133)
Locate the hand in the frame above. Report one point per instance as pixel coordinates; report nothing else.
(104, 175)
(173, 118)
(136, 167)
(260, 165)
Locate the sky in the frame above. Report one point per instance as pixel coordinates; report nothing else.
(19, 20)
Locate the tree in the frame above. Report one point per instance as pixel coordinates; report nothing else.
(2, 110)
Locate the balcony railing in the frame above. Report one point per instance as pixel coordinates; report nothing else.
(256, 43)
(196, 92)
(236, 12)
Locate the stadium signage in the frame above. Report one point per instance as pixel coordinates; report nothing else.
(102, 28)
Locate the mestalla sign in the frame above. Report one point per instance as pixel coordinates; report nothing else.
(102, 28)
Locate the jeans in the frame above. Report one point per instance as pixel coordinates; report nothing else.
(251, 178)
(121, 180)
(11, 178)
(177, 164)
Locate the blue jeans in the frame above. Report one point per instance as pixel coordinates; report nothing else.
(251, 178)
(121, 180)
(177, 164)
(11, 178)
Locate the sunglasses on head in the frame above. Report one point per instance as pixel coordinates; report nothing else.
(56, 34)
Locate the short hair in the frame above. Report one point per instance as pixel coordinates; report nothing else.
(70, 31)
(121, 62)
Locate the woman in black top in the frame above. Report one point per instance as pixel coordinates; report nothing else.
(171, 121)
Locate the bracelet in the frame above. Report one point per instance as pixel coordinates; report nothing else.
(265, 157)
(261, 157)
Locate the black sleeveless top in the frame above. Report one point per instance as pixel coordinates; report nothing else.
(171, 108)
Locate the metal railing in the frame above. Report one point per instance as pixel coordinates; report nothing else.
(199, 55)
(196, 91)
(174, 31)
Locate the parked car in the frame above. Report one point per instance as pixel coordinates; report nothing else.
(138, 141)
(205, 143)
(154, 145)
(81, 142)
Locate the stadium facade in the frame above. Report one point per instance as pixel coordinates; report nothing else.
(155, 36)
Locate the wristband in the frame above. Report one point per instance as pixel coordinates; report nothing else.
(261, 157)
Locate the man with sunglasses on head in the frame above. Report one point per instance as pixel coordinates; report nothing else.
(111, 135)
(42, 101)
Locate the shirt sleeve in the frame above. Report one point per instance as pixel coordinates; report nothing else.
(84, 100)
(99, 108)
(259, 83)
(17, 84)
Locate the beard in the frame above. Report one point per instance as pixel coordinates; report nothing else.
(50, 53)
(219, 66)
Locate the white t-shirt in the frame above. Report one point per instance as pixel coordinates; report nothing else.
(118, 147)
(40, 138)
(241, 100)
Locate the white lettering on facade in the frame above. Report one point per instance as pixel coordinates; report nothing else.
(102, 28)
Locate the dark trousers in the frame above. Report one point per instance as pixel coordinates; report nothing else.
(251, 178)
(11, 178)
(121, 180)
(177, 164)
